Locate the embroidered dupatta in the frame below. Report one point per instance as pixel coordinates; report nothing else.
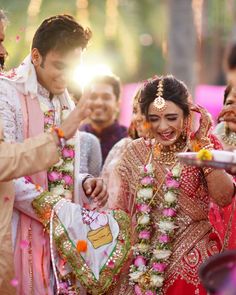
(108, 246)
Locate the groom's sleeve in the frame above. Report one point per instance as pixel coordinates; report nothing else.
(33, 155)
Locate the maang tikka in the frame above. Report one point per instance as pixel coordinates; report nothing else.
(159, 102)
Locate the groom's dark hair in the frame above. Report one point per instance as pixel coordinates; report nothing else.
(61, 33)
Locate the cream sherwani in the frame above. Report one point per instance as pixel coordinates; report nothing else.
(16, 160)
(21, 101)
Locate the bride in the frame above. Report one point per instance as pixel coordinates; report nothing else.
(168, 201)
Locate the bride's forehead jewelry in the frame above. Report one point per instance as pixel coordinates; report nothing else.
(159, 102)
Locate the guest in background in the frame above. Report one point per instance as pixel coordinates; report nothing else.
(226, 129)
(136, 130)
(103, 93)
(90, 148)
(3, 52)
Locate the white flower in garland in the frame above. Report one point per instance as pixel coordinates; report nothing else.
(68, 167)
(156, 281)
(142, 248)
(70, 141)
(176, 171)
(161, 254)
(166, 226)
(145, 193)
(144, 219)
(170, 197)
(148, 168)
(59, 163)
(58, 189)
(134, 276)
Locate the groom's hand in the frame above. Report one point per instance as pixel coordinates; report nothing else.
(96, 189)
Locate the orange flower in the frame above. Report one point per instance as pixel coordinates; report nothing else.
(146, 125)
(196, 146)
(59, 131)
(38, 187)
(81, 246)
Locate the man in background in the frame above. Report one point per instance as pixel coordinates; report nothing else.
(3, 52)
(103, 93)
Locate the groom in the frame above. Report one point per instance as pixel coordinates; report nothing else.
(34, 99)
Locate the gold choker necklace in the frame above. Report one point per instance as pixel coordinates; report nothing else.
(168, 155)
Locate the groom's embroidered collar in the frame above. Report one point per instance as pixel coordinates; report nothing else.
(43, 91)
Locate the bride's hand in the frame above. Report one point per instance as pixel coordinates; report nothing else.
(228, 113)
(206, 121)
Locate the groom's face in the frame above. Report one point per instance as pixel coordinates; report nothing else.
(55, 68)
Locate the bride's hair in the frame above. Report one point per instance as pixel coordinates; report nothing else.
(173, 90)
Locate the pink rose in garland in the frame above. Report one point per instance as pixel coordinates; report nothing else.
(172, 183)
(144, 234)
(137, 290)
(139, 261)
(158, 266)
(147, 180)
(169, 212)
(143, 208)
(48, 120)
(54, 176)
(68, 153)
(68, 179)
(164, 239)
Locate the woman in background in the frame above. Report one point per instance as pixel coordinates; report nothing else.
(226, 130)
(226, 133)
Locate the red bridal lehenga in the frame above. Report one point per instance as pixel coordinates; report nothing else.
(195, 238)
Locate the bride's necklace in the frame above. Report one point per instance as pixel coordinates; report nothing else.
(168, 155)
(229, 139)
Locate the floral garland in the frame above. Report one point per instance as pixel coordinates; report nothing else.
(60, 176)
(149, 265)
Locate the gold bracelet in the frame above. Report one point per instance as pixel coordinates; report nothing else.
(207, 171)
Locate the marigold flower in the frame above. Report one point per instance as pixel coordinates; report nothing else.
(81, 246)
(196, 147)
(38, 187)
(204, 155)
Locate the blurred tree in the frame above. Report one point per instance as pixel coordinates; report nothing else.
(137, 38)
(182, 42)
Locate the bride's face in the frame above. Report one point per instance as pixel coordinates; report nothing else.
(166, 126)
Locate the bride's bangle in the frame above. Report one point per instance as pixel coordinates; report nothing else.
(207, 171)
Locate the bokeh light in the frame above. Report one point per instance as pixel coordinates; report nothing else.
(83, 74)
